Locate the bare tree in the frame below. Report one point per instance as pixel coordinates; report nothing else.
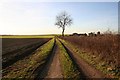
(63, 20)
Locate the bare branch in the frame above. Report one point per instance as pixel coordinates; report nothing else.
(62, 20)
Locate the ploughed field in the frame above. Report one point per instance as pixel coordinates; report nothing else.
(14, 49)
(57, 57)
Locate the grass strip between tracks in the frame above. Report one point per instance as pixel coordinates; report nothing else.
(24, 68)
(69, 69)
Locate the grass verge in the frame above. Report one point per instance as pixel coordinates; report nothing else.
(69, 69)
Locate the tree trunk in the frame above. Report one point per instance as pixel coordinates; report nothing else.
(63, 32)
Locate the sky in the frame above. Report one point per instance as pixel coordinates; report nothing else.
(34, 17)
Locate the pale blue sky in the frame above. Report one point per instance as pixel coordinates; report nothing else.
(39, 17)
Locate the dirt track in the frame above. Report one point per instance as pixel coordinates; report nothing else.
(53, 69)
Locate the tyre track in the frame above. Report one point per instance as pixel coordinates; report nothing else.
(55, 68)
(52, 67)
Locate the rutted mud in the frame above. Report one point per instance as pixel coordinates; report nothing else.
(52, 69)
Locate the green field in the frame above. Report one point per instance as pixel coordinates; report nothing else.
(27, 36)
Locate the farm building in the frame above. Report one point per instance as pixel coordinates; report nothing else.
(76, 34)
